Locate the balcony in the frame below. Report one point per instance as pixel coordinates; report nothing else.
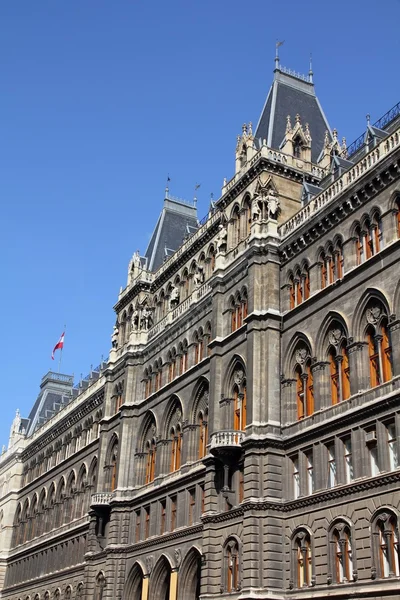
(227, 443)
(101, 500)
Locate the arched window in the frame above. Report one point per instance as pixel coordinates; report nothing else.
(339, 260)
(339, 365)
(379, 344)
(247, 216)
(239, 309)
(239, 402)
(306, 282)
(302, 559)
(369, 237)
(176, 448)
(341, 553)
(324, 270)
(386, 544)
(113, 466)
(297, 147)
(304, 382)
(203, 433)
(292, 291)
(232, 566)
(235, 226)
(151, 449)
(359, 240)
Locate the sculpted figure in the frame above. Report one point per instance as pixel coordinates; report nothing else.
(114, 337)
(222, 238)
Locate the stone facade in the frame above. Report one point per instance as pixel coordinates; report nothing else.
(242, 440)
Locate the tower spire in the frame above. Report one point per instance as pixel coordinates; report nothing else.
(310, 72)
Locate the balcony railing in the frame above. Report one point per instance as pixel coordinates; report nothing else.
(102, 499)
(227, 438)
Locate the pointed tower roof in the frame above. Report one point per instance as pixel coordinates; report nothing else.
(177, 220)
(291, 94)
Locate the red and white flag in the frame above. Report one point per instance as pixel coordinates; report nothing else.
(59, 345)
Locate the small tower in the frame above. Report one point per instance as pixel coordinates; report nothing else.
(245, 147)
(297, 140)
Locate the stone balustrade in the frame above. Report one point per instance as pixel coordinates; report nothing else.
(101, 499)
(226, 438)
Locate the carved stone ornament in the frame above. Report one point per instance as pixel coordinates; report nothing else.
(238, 376)
(334, 336)
(178, 413)
(373, 314)
(149, 560)
(177, 557)
(301, 355)
(153, 429)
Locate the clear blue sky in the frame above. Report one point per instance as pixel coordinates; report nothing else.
(100, 100)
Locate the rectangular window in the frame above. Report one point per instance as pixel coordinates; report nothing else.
(370, 438)
(392, 444)
(162, 516)
(310, 472)
(332, 471)
(296, 477)
(173, 513)
(146, 522)
(348, 460)
(192, 506)
(137, 526)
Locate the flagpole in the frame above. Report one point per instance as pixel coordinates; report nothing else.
(61, 349)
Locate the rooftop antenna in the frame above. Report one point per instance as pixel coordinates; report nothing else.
(310, 72)
(277, 53)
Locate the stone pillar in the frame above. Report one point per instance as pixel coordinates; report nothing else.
(189, 442)
(389, 226)
(349, 254)
(359, 366)
(173, 586)
(315, 277)
(285, 297)
(145, 588)
(321, 383)
(394, 328)
(289, 401)
(163, 457)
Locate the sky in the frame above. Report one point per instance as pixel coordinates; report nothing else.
(101, 100)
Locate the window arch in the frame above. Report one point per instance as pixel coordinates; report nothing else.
(377, 336)
(238, 309)
(303, 376)
(385, 531)
(235, 226)
(302, 559)
(246, 215)
(341, 551)
(231, 572)
(239, 396)
(200, 417)
(174, 433)
(368, 237)
(148, 449)
(339, 366)
(112, 464)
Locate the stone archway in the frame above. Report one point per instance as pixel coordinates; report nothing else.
(134, 583)
(160, 580)
(189, 576)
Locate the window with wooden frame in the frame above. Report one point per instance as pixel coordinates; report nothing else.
(300, 396)
(292, 292)
(306, 282)
(192, 506)
(295, 477)
(163, 512)
(137, 525)
(379, 346)
(324, 270)
(348, 459)
(299, 288)
(386, 545)
(232, 579)
(342, 553)
(331, 464)
(339, 260)
(176, 448)
(146, 522)
(302, 559)
(239, 407)
(151, 448)
(309, 389)
(203, 434)
(359, 241)
(173, 505)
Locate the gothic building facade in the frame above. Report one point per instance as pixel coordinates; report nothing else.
(242, 439)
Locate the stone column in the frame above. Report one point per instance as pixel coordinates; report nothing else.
(321, 383)
(359, 366)
(145, 588)
(189, 442)
(289, 401)
(173, 586)
(394, 328)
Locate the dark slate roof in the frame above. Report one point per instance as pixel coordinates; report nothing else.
(176, 221)
(55, 392)
(290, 95)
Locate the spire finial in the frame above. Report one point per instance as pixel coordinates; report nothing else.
(310, 72)
(368, 117)
(166, 186)
(277, 53)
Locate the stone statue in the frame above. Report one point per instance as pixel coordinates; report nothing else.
(199, 277)
(136, 260)
(255, 209)
(146, 320)
(273, 206)
(114, 337)
(135, 320)
(174, 297)
(222, 239)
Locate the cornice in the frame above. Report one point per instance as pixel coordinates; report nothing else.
(66, 424)
(235, 513)
(160, 540)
